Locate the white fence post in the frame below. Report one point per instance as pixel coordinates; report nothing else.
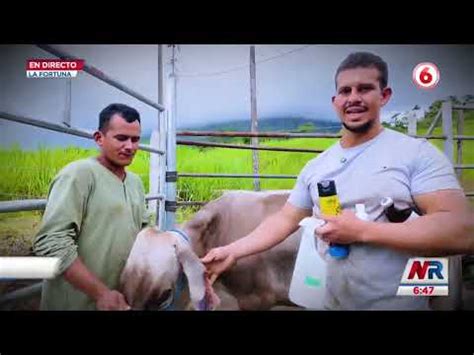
(154, 173)
(68, 104)
(454, 300)
(161, 168)
(254, 122)
(171, 174)
(460, 142)
(447, 120)
(412, 122)
(161, 212)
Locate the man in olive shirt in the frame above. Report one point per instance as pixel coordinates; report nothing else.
(95, 210)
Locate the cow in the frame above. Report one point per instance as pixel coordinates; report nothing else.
(151, 276)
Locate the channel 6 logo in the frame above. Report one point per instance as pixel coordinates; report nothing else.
(424, 277)
(426, 75)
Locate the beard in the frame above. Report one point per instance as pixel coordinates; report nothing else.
(364, 128)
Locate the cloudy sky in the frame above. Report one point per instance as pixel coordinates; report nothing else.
(213, 83)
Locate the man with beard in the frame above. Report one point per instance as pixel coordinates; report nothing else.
(369, 162)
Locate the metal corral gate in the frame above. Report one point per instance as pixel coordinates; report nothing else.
(166, 149)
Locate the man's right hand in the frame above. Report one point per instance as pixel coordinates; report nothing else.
(217, 261)
(78, 275)
(112, 300)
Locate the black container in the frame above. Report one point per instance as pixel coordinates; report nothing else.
(397, 215)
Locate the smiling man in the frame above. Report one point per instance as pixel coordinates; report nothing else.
(94, 211)
(369, 163)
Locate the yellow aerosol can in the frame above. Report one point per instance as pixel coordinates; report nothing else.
(330, 206)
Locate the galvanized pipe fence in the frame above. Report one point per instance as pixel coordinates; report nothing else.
(166, 151)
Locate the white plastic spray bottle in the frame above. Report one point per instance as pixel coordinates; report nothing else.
(308, 284)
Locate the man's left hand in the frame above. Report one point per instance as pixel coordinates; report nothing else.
(345, 228)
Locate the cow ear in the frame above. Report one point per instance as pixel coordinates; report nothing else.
(195, 273)
(135, 282)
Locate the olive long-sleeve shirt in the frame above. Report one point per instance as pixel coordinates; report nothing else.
(92, 214)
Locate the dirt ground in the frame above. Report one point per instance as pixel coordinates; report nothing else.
(27, 304)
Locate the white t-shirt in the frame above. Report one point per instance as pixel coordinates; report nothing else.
(389, 165)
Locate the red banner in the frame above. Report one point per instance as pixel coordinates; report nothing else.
(54, 64)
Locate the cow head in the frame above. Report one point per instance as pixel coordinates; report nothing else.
(150, 278)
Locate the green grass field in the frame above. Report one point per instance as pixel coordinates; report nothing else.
(27, 174)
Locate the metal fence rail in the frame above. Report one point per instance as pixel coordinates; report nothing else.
(255, 134)
(250, 176)
(288, 135)
(190, 203)
(464, 138)
(463, 166)
(40, 204)
(19, 294)
(22, 205)
(62, 129)
(249, 147)
(102, 76)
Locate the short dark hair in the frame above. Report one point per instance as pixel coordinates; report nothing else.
(128, 113)
(365, 60)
